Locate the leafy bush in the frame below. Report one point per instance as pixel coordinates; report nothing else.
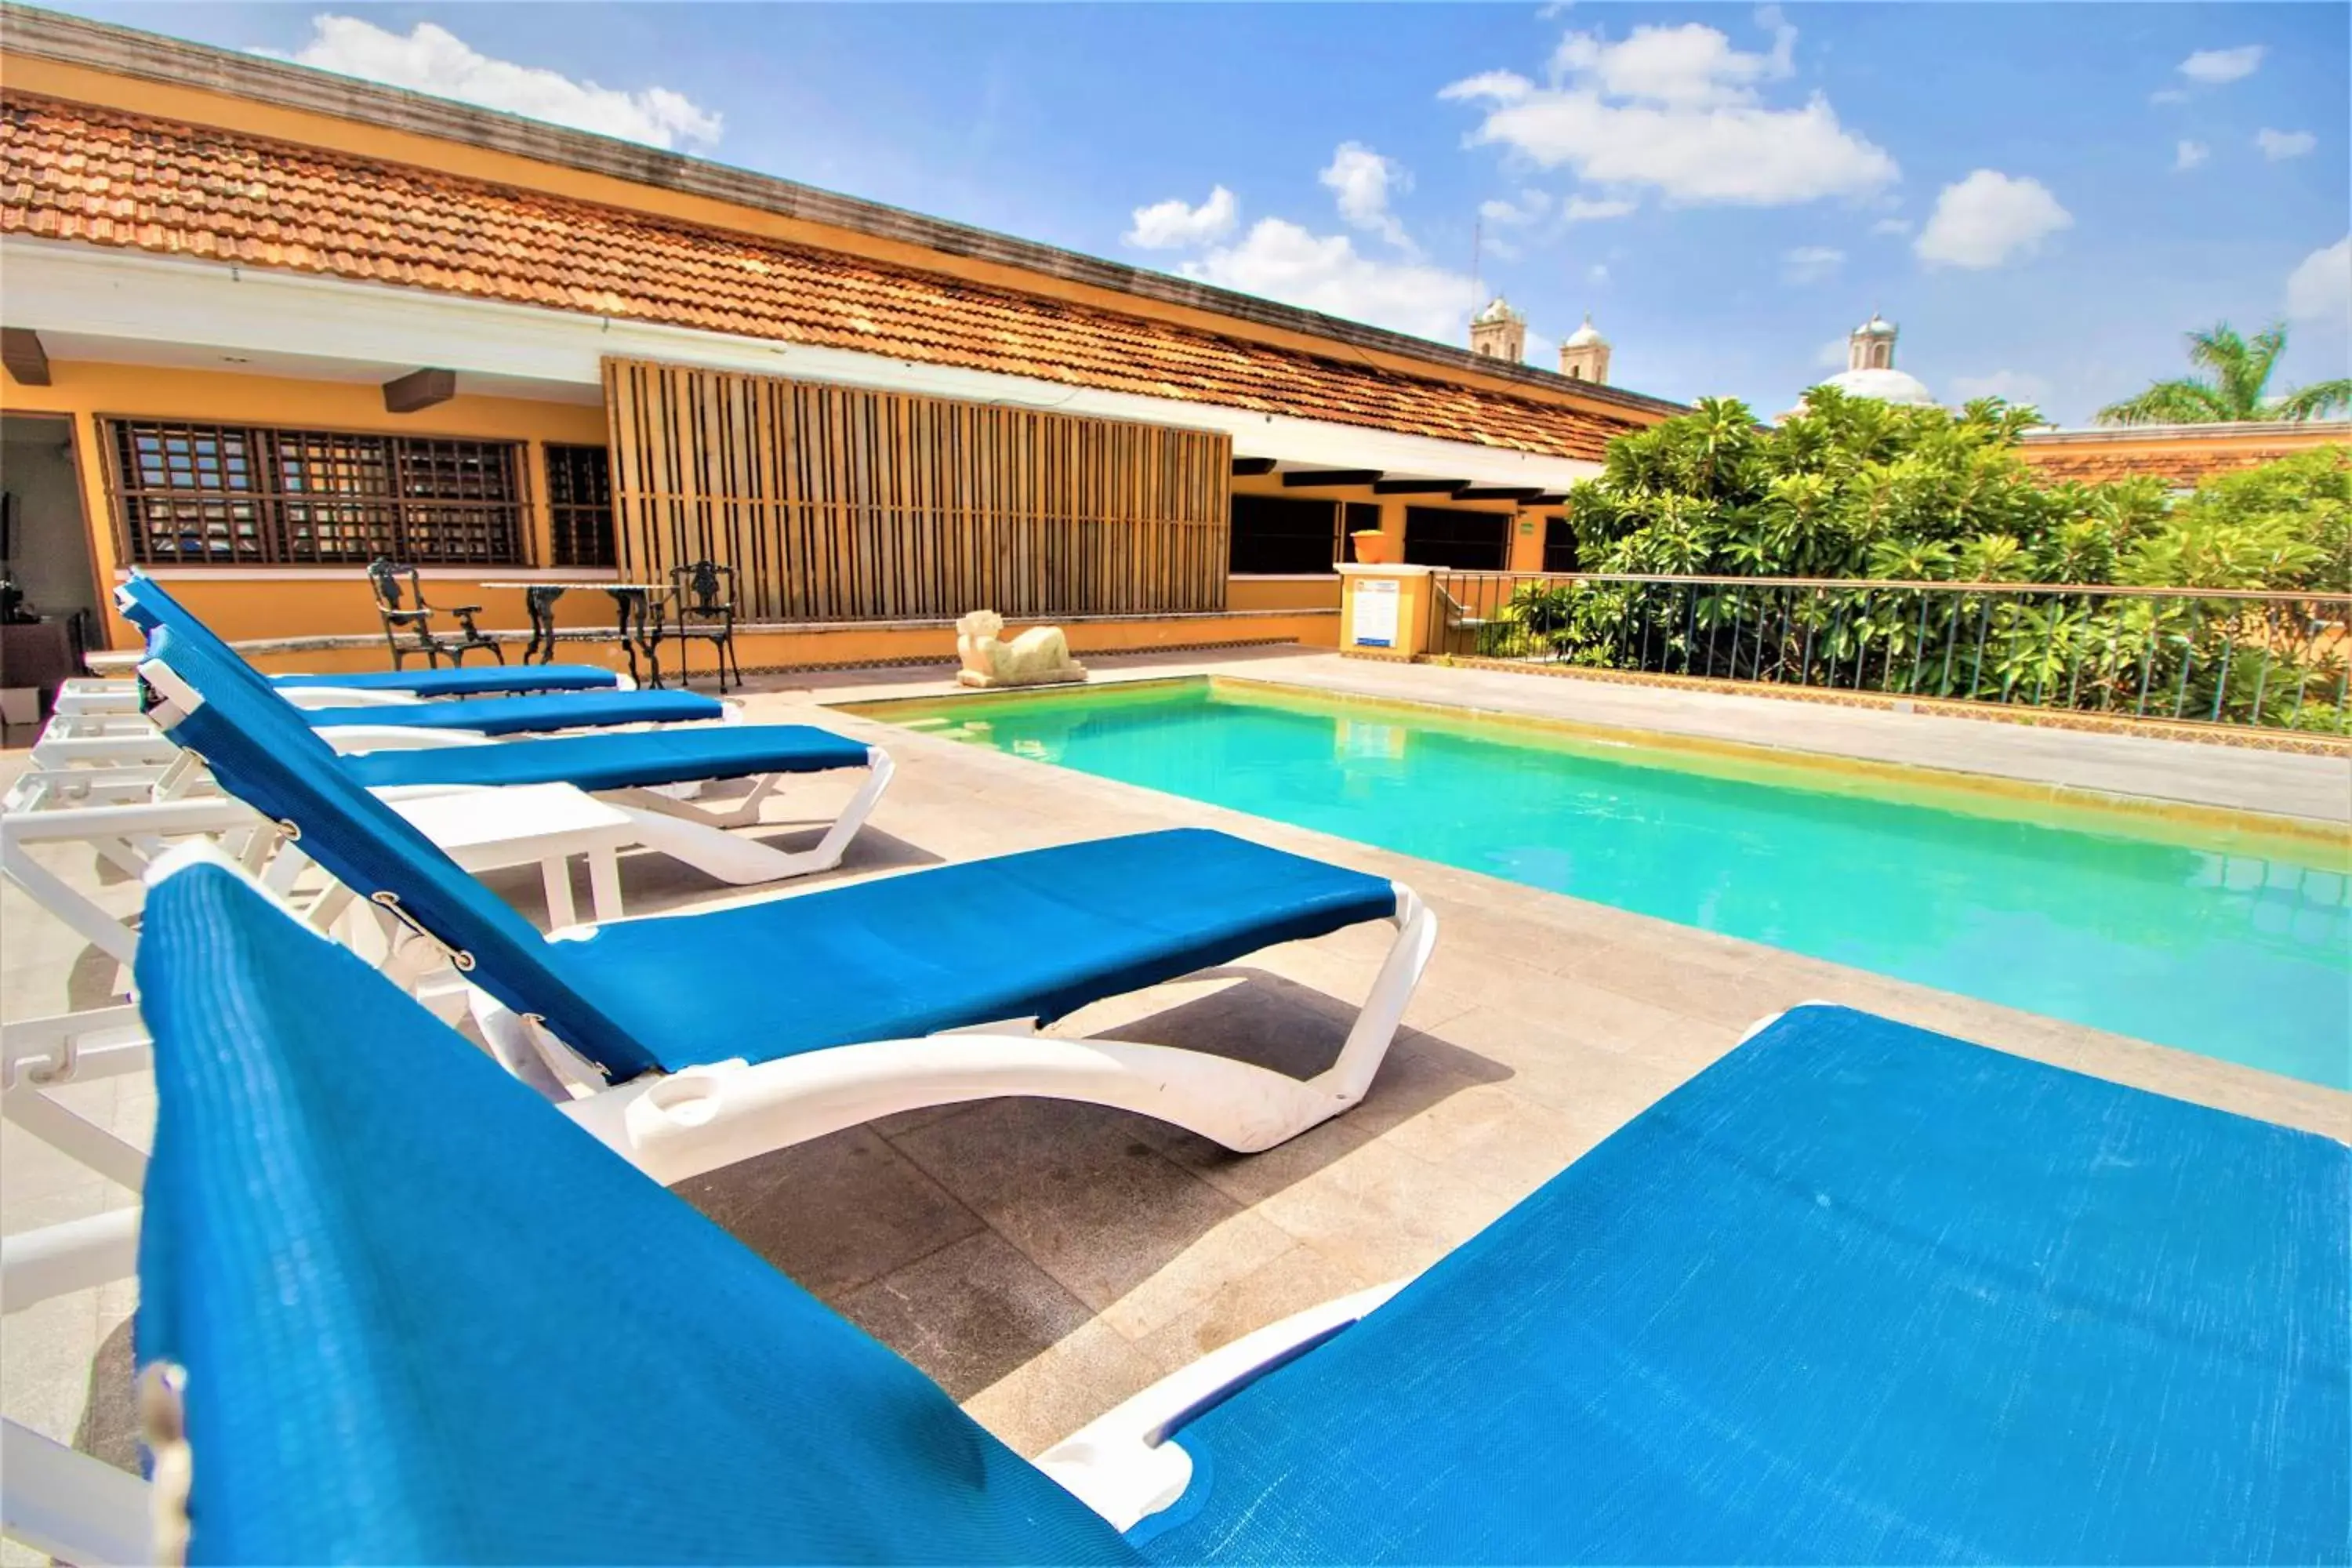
(1856, 488)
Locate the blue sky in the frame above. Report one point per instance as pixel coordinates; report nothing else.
(2044, 196)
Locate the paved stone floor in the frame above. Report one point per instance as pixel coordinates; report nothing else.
(1044, 1260)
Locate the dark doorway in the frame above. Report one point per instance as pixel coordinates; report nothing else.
(49, 585)
(1560, 544)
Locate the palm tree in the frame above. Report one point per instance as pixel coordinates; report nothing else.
(2237, 390)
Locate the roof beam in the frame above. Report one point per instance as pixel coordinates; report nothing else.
(1498, 492)
(1308, 479)
(419, 389)
(1253, 465)
(27, 361)
(1417, 487)
(1550, 497)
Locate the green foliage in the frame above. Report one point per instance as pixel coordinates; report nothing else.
(1858, 489)
(2237, 387)
(1851, 487)
(2286, 524)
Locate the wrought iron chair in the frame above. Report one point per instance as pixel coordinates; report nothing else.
(406, 614)
(703, 597)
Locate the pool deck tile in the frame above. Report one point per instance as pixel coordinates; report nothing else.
(1044, 1259)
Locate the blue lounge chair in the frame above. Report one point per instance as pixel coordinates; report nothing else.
(146, 604)
(568, 703)
(1858, 1293)
(643, 760)
(698, 1039)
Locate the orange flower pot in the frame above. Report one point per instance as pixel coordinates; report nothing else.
(1374, 548)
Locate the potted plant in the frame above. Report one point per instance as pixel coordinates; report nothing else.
(1373, 548)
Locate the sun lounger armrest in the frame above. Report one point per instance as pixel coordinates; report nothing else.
(1121, 1464)
(391, 737)
(346, 697)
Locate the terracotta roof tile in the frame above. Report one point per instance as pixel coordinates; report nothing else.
(73, 172)
(2183, 465)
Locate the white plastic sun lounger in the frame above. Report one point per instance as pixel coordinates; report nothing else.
(652, 789)
(105, 731)
(698, 1039)
(1857, 1293)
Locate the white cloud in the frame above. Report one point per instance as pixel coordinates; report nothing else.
(1811, 264)
(1585, 210)
(1692, 65)
(429, 58)
(2169, 95)
(2214, 66)
(1596, 273)
(1677, 109)
(1361, 181)
(2190, 155)
(1280, 260)
(1833, 354)
(2014, 385)
(1531, 205)
(1172, 226)
(1988, 217)
(1892, 226)
(2320, 288)
(2278, 144)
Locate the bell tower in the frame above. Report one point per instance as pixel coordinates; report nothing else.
(1585, 356)
(1499, 333)
(1872, 345)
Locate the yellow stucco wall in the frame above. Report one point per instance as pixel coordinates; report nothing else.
(249, 603)
(853, 645)
(280, 602)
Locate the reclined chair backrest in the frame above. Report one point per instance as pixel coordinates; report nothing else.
(260, 750)
(145, 604)
(424, 1317)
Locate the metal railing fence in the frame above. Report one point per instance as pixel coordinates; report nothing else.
(2271, 660)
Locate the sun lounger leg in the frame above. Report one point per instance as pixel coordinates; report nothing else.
(70, 1505)
(686, 834)
(58, 1259)
(682, 1124)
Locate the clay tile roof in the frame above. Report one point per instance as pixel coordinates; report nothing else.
(2180, 463)
(72, 172)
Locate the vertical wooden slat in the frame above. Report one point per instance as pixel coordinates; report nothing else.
(841, 503)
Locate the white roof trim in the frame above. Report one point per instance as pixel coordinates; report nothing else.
(130, 298)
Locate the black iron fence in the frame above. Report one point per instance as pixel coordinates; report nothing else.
(2275, 660)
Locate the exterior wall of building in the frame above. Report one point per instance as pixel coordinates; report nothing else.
(2181, 455)
(278, 603)
(1526, 535)
(281, 601)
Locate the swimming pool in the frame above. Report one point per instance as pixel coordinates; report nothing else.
(2229, 940)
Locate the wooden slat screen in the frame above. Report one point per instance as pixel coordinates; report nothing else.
(840, 503)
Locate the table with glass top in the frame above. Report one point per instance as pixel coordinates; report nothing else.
(637, 607)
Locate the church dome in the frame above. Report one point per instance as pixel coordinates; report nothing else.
(1584, 336)
(1877, 327)
(1499, 310)
(1887, 385)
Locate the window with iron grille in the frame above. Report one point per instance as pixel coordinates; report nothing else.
(580, 504)
(244, 495)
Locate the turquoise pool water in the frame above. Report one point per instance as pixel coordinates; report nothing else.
(2237, 945)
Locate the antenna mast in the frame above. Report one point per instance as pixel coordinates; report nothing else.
(1477, 249)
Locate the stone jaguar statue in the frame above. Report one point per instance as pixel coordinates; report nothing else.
(1038, 656)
